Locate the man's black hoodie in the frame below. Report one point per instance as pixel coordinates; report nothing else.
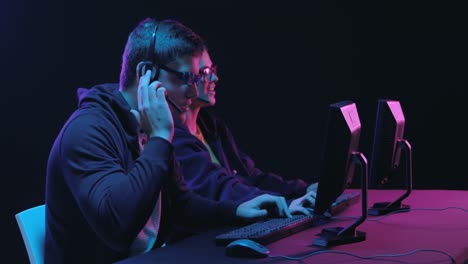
(100, 191)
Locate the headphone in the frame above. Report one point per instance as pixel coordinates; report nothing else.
(149, 64)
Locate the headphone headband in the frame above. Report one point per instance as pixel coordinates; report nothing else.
(151, 55)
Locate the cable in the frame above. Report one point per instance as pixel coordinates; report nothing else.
(364, 257)
(384, 255)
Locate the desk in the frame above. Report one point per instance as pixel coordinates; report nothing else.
(445, 230)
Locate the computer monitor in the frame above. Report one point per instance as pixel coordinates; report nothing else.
(385, 158)
(342, 134)
(340, 155)
(389, 169)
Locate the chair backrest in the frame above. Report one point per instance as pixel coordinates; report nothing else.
(31, 223)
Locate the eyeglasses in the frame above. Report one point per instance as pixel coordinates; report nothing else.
(207, 73)
(187, 77)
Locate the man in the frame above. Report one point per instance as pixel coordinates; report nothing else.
(113, 189)
(210, 159)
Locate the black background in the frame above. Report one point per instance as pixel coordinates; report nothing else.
(280, 65)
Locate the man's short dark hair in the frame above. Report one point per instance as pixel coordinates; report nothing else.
(173, 40)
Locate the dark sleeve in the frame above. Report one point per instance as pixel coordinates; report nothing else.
(293, 188)
(193, 210)
(207, 178)
(115, 202)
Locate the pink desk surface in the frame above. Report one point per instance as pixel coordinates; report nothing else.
(445, 230)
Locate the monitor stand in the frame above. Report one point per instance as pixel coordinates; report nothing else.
(383, 208)
(338, 235)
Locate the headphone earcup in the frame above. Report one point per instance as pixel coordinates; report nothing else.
(144, 66)
(155, 71)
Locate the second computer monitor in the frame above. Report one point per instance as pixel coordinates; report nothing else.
(385, 158)
(341, 142)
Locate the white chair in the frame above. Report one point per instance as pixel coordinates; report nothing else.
(31, 223)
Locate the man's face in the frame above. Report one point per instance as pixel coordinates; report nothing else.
(207, 83)
(178, 90)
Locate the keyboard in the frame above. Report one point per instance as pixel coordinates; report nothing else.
(344, 201)
(273, 229)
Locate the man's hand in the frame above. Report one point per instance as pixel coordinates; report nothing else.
(153, 115)
(256, 207)
(303, 204)
(312, 187)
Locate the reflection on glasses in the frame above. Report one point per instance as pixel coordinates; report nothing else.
(207, 73)
(187, 77)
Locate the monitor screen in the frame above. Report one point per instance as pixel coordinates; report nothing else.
(341, 142)
(385, 158)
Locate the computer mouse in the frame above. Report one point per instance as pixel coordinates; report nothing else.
(246, 248)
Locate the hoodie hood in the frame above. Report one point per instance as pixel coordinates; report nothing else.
(108, 98)
(107, 95)
(208, 123)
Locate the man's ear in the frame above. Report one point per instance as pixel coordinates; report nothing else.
(144, 66)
